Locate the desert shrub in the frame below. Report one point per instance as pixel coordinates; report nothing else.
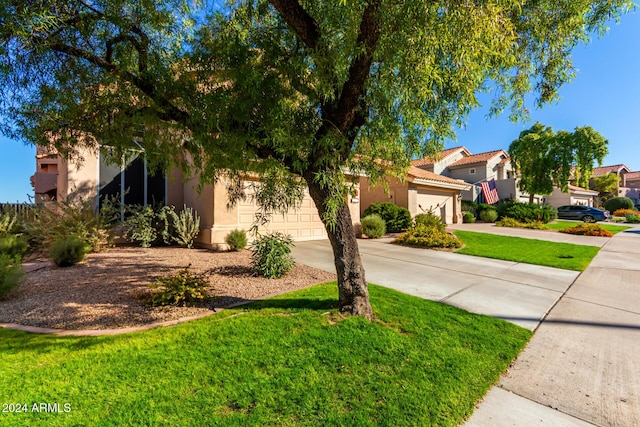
(510, 222)
(183, 288)
(489, 215)
(530, 212)
(56, 220)
(8, 222)
(373, 226)
(150, 225)
(271, 255)
(632, 219)
(12, 275)
(587, 230)
(430, 237)
(430, 220)
(237, 240)
(140, 227)
(13, 246)
(616, 203)
(468, 217)
(396, 218)
(624, 212)
(186, 226)
(67, 251)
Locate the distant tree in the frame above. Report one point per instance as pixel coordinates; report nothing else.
(606, 185)
(545, 159)
(588, 147)
(295, 92)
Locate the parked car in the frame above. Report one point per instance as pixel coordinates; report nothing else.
(582, 213)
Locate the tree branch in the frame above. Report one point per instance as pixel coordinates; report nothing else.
(168, 112)
(344, 114)
(302, 23)
(349, 113)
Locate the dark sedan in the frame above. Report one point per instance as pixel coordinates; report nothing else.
(582, 213)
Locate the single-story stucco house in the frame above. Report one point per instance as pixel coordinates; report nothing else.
(575, 196)
(421, 191)
(91, 177)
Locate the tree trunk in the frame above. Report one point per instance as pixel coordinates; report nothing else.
(353, 294)
(531, 197)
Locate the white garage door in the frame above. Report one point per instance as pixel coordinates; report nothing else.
(302, 224)
(440, 202)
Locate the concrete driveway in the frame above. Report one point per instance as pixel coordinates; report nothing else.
(519, 293)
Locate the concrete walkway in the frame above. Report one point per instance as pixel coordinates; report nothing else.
(581, 368)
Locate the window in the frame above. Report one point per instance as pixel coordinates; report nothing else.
(131, 182)
(472, 171)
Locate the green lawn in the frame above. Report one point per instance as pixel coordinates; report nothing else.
(562, 225)
(529, 251)
(290, 360)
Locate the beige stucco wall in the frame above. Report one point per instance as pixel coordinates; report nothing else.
(175, 188)
(398, 194)
(79, 177)
(440, 166)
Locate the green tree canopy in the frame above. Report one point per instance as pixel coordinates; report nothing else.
(295, 91)
(606, 185)
(545, 159)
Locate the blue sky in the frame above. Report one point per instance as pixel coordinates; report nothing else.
(604, 95)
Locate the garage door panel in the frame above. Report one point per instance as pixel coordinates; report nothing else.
(440, 203)
(302, 224)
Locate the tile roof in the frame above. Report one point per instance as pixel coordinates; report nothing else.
(604, 170)
(440, 155)
(576, 188)
(632, 175)
(416, 172)
(478, 158)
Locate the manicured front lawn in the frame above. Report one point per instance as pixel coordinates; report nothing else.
(529, 251)
(291, 360)
(563, 225)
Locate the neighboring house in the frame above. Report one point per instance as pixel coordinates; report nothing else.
(629, 183)
(632, 182)
(459, 163)
(575, 196)
(93, 178)
(421, 191)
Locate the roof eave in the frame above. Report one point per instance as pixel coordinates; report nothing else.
(441, 184)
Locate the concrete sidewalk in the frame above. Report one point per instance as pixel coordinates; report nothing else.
(582, 367)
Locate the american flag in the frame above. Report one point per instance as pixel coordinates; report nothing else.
(490, 192)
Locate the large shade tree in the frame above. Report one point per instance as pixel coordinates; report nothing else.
(544, 158)
(296, 91)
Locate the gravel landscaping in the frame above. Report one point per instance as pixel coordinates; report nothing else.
(100, 292)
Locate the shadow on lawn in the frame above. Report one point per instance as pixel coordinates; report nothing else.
(286, 303)
(19, 341)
